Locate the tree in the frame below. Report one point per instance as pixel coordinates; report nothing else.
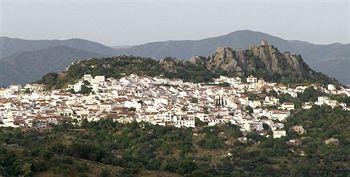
(310, 94)
(249, 109)
(297, 104)
(266, 127)
(85, 90)
(50, 80)
(105, 173)
(273, 93)
(187, 166)
(87, 83)
(194, 100)
(211, 142)
(26, 169)
(225, 84)
(285, 97)
(27, 90)
(200, 123)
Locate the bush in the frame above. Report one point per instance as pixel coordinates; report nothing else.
(105, 173)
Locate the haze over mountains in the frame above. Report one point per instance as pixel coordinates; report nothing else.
(10, 46)
(29, 66)
(23, 61)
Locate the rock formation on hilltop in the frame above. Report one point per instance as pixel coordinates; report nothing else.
(264, 61)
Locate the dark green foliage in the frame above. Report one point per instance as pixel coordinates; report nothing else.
(272, 93)
(188, 152)
(200, 123)
(266, 127)
(249, 109)
(87, 151)
(194, 100)
(252, 96)
(285, 97)
(85, 89)
(224, 84)
(8, 163)
(310, 94)
(105, 173)
(211, 142)
(27, 90)
(341, 99)
(50, 80)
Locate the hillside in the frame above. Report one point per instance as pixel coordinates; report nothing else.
(263, 61)
(23, 61)
(313, 54)
(337, 68)
(30, 66)
(10, 46)
(107, 148)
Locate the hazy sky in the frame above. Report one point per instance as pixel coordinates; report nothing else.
(134, 22)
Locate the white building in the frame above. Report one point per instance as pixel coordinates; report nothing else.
(287, 106)
(252, 80)
(279, 133)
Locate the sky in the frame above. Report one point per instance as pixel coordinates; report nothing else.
(128, 22)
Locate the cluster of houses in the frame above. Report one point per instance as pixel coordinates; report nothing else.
(157, 100)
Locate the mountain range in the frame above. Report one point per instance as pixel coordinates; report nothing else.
(23, 61)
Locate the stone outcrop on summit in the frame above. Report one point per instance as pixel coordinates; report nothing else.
(263, 60)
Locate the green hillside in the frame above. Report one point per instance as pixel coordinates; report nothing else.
(107, 148)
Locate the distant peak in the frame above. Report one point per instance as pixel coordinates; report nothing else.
(247, 32)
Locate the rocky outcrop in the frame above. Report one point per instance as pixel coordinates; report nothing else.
(264, 61)
(223, 59)
(198, 60)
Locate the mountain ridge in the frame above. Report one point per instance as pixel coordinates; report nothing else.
(10, 46)
(254, 36)
(29, 66)
(335, 56)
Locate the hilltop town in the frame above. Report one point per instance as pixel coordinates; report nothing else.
(253, 104)
(174, 88)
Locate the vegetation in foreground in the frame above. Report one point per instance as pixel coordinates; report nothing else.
(107, 148)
